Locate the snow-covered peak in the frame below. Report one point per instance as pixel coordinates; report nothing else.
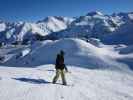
(17, 31)
(55, 18)
(28, 30)
(54, 24)
(125, 16)
(47, 19)
(90, 19)
(18, 23)
(2, 26)
(93, 13)
(130, 15)
(95, 24)
(65, 19)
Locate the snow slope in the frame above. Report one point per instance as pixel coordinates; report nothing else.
(78, 53)
(123, 35)
(83, 84)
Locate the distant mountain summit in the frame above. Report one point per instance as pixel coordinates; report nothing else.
(94, 13)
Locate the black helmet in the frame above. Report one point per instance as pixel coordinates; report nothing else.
(62, 52)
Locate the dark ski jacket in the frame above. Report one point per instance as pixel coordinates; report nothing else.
(60, 62)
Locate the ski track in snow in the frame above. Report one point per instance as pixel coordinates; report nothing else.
(83, 84)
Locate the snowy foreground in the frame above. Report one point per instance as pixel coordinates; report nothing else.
(83, 84)
(97, 71)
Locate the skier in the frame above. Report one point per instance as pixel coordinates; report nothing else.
(60, 66)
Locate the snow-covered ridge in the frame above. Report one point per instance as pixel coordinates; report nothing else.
(78, 53)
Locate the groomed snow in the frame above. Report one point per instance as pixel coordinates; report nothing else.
(83, 84)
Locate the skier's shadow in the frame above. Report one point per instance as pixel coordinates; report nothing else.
(33, 81)
(50, 70)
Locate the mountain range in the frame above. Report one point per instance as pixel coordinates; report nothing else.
(110, 29)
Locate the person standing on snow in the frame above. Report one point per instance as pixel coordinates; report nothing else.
(60, 66)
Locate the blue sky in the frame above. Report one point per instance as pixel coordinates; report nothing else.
(33, 10)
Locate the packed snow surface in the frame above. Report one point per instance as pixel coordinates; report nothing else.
(83, 84)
